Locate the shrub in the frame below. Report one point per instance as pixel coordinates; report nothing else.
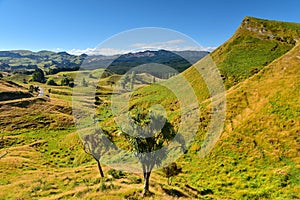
(38, 76)
(171, 170)
(84, 83)
(67, 81)
(51, 82)
(31, 88)
(117, 174)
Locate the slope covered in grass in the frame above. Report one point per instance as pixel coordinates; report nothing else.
(255, 44)
(257, 156)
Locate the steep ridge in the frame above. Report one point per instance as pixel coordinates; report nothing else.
(257, 156)
(255, 44)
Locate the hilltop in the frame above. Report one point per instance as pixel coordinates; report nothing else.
(255, 44)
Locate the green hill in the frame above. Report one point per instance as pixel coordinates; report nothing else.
(255, 44)
(257, 156)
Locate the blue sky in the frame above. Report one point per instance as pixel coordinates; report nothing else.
(63, 25)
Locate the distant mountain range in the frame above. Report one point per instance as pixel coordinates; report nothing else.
(24, 61)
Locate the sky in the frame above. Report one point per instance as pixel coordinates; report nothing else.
(79, 26)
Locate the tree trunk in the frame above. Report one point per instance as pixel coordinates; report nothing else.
(3, 154)
(100, 169)
(146, 183)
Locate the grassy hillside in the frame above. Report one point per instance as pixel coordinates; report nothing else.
(6, 85)
(254, 45)
(257, 156)
(41, 155)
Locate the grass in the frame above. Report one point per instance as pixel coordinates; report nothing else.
(257, 156)
(251, 48)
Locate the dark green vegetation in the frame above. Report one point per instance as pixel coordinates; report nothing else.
(257, 156)
(179, 61)
(38, 76)
(27, 61)
(146, 140)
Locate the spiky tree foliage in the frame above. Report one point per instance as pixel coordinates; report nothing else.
(97, 144)
(147, 137)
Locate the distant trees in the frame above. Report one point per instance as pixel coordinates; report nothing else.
(122, 83)
(31, 88)
(84, 83)
(132, 78)
(153, 79)
(127, 81)
(51, 81)
(91, 76)
(146, 138)
(1, 76)
(98, 101)
(67, 81)
(56, 69)
(38, 76)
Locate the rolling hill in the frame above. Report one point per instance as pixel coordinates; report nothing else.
(24, 61)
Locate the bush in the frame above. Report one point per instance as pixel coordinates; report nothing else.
(117, 174)
(31, 88)
(38, 76)
(67, 81)
(51, 82)
(171, 170)
(84, 83)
